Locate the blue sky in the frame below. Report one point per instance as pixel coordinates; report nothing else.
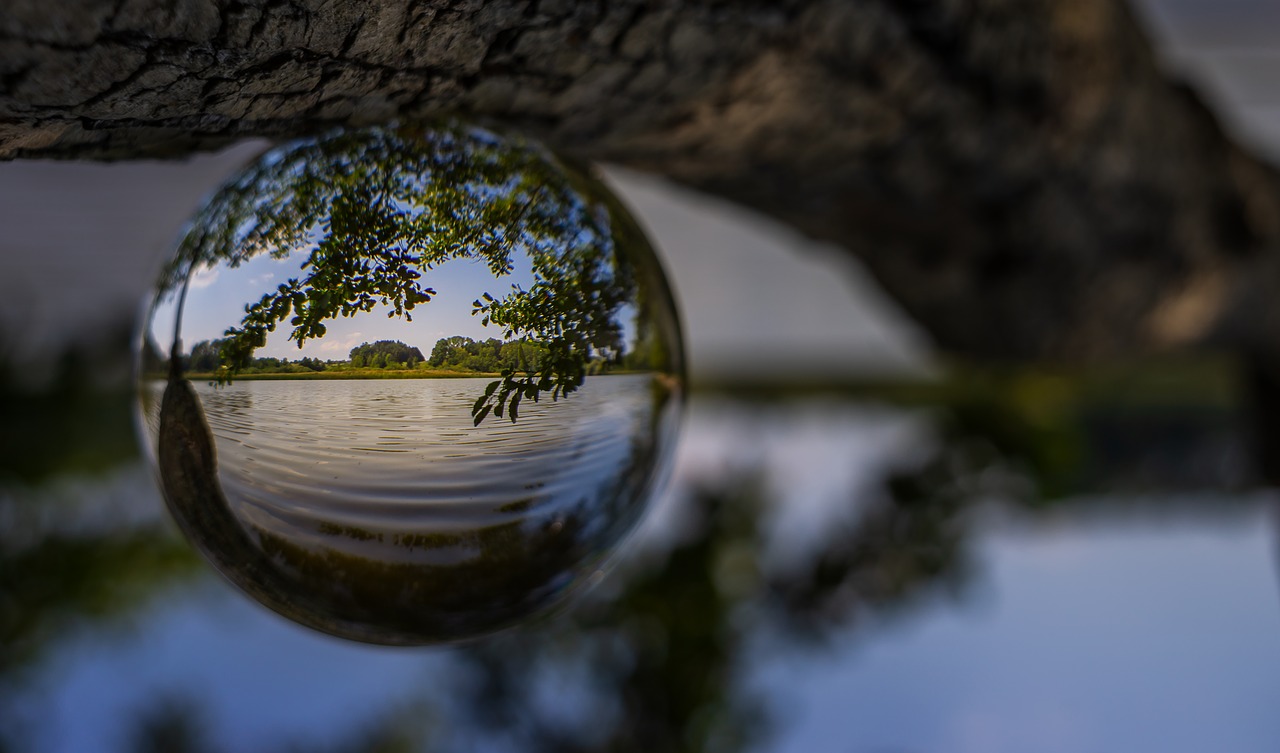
(218, 296)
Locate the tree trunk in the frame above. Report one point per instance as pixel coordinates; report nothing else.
(1017, 173)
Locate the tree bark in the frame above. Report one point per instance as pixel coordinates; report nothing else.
(1019, 174)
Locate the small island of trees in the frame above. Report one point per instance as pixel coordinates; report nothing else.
(383, 354)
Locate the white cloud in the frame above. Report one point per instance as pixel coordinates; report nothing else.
(343, 345)
(205, 276)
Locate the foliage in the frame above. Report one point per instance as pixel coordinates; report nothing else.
(491, 355)
(450, 355)
(386, 352)
(375, 210)
(206, 358)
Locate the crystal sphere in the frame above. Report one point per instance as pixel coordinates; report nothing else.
(411, 384)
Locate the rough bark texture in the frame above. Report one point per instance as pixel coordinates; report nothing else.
(1017, 173)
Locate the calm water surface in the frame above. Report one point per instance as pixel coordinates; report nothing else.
(402, 454)
(376, 510)
(1114, 622)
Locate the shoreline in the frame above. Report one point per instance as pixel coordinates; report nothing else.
(375, 374)
(349, 374)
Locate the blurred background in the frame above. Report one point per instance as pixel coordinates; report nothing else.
(863, 545)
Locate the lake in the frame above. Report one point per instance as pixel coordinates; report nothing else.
(377, 510)
(402, 454)
(820, 574)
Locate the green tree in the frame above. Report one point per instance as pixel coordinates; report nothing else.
(205, 356)
(393, 351)
(521, 355)
(446, 350)
(375, 210)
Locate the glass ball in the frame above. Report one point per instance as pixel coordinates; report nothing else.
(410, 385)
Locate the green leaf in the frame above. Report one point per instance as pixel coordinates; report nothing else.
(480, 417)
(488, 390)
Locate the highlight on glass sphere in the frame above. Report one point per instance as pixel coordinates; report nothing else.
(409, 385)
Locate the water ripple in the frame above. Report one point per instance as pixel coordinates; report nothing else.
(391, 455)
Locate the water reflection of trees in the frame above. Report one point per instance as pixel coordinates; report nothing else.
(63, 562)
(179, 725)
(68, 578)
(659, 651)
(662, 657)
(403, 586)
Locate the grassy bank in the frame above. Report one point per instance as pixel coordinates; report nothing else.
(199, 376)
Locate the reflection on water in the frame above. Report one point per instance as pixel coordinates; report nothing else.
(399, 454)
(376, 511)
(822, 574)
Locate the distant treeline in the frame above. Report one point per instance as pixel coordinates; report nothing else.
(464, 354)
(206, 357)
(451, 354)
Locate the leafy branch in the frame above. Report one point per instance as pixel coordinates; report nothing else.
(374, 211)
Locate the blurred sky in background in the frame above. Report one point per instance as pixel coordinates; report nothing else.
(1229, 50)
(82, 241)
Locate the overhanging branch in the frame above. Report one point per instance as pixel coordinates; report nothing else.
(1019, 175)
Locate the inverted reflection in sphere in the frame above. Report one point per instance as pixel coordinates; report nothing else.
(408, 385)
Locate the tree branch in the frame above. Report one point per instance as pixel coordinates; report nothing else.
(1018, 174)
